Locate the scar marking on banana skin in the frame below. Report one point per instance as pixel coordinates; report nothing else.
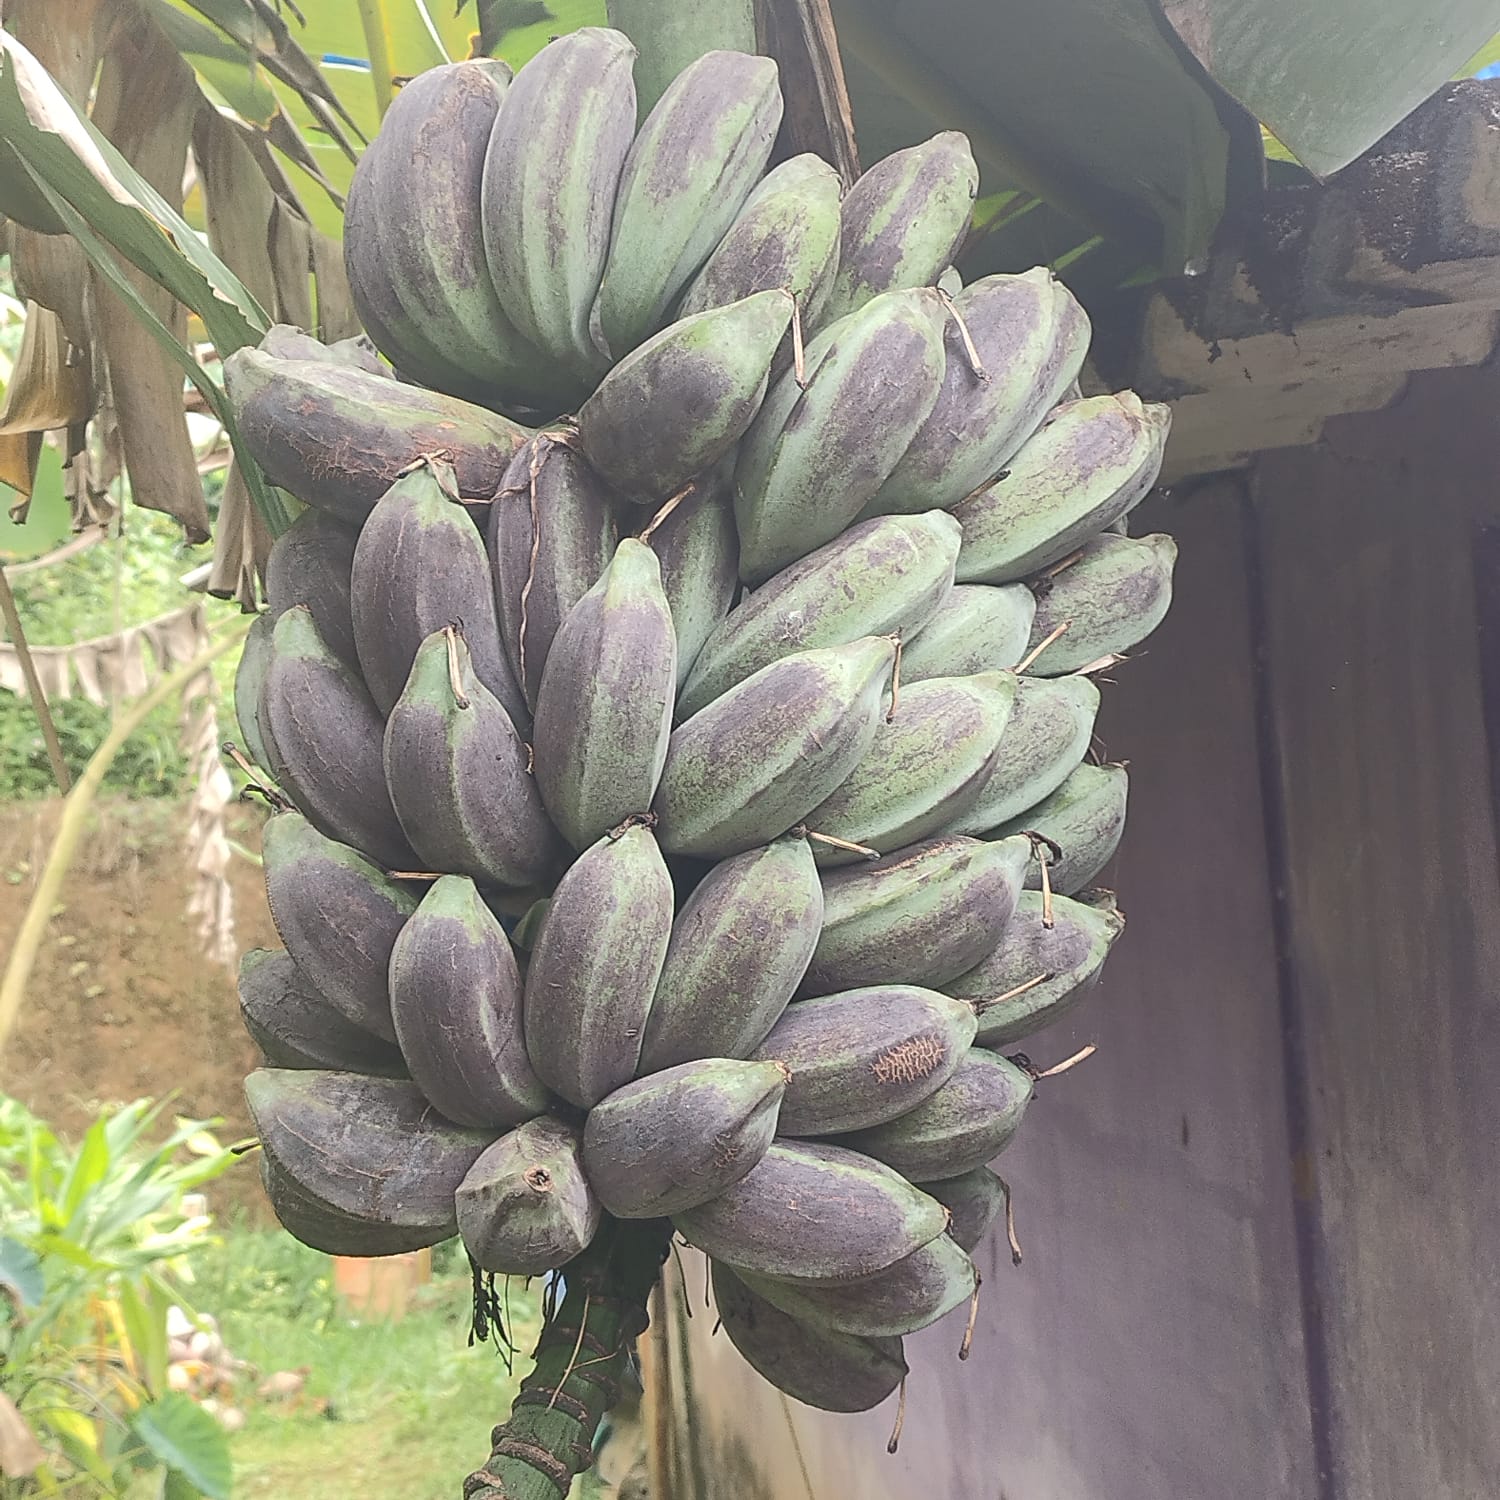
(917, 1057)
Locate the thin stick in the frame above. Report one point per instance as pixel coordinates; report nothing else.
(968, 1343)
(583, 1323)
(895, 1437)
(534, 468)
(39, 702)
(1048, 919)
(837, 843)
(1029, 660)
(413, 875)
(455, 676)
(895, 684)
(980, 1006)
(1063, 565)
(975, 363)
(1010, 1223)
(791, 1427)
(668, 507)
(1081, 1055)
(799, 356)
(274, 798)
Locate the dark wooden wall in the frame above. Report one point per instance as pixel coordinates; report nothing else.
(1262, 1226)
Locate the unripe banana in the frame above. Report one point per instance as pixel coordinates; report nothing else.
(1050, 729)
(1039, 972)
(974, 629)
(295, 1027)
(420, 565)
(1087, 464)
(525, 1206)
(811, 1212)
(256, 656)
(923, 915)
(310, 563)
(675, 35)
(595, 966)
(604, 710)
(881, 577)
(325, 737)
(692, 165)
(338, 438)
(975, 1200)
(815, 455)
(1031, 336)
(718, 994)
(551, 176)
(1111, 599)
(965, 1124)
(551, 534)
(458, 775)
(338, 916)
(817, 1366)
(287, 341)
(677, 404)
(755, 762)
(924, 769)
(456, 1004)
(910, 1295)
(904, 220)
(864, 1056)
(787, 235)
(321, 1227)
(667, 1143)
(1085, 817)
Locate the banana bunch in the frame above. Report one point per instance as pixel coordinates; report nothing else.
(682, 729)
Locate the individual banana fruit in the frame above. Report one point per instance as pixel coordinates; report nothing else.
(310, 563)
(812, 1212)
(817, 1366)
(817, 453)
(925, 768)
(338, 916)
(975, 1199)
(595, 964)
(1039, 971)
(882, 577)
(669, 1142)
(865, 1056)
(756, 761)
(604, 709)
(787, 236)
(676, 405)
(903, 221)
(551, 532)
(551, 175)
(286, 341)
(923, 915)
(697, 156)
(1085, 818)
(1090, 462)
(325, 738)
(458, 774)
(525, 1206)
(456, 1005)
(323, 1227)
(974, 629)
(1030, 336)
(1111, 599)
(719, 995)
(256, 656)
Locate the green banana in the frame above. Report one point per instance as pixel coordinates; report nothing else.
(551, 533)
(718, 995)
(881, 577)
(815, 454)
(974, 1200)
(756, 761)
(787, 235)
(525, 1206)
(256, 656)
(295, 1027)
(674, 1140)
(287, 341)
(458, 774)
(677, 404)
(595, 965)
(923, 915)
(812, 1212)
(1039, 971)
(903, 221)
(963, 1125)
(1088, 464)
(673, 36)
(863, 1056)
(692, 165)
(817, 1366)
(1111, 599)
(1050, 729)
(551, 177)
(310, 563)
(925, 768)
(1031, 336)
(325, 736)
(604, 709)
(974, 629)
(1085, 818)
(456, 1004)
(338, 916)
